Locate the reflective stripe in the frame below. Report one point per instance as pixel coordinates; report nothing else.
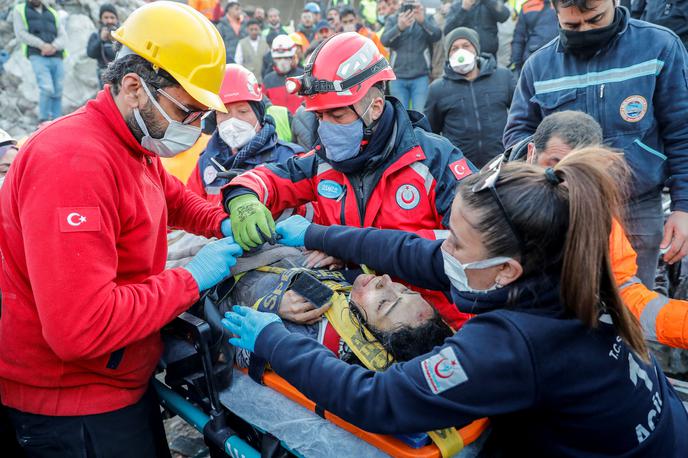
(262, 184)
(323, 167)
(424, 172)
(614, 75)
(310, 212)
(441, 234)
(648, 318)
(650, 150)
(629, 282)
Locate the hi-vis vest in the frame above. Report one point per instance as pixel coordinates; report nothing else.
(282, 125)
(323, 287)
(21, 8)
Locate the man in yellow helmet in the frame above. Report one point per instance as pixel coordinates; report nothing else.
(85, 209)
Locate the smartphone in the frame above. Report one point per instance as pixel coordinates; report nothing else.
(407, 6)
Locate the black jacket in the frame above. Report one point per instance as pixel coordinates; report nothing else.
(671, 14)
(537, 25)
(472, 114)
(101, 51)
(482, 18)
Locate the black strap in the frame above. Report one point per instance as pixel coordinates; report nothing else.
(323, 86)
(115, 359)
(256, 368)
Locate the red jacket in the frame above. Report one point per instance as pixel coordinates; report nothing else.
(84, 214)
(274, 89)
(414, 193)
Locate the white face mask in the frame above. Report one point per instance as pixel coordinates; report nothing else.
(457, 271)
(236, 133)
(462, 61)
(177, 139)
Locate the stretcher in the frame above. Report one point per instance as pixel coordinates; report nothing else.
(239, 417)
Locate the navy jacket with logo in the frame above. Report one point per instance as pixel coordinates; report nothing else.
(636, 87)
(550, 385)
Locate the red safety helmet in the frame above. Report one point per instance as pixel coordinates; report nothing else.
(240, 85)
(340, 72)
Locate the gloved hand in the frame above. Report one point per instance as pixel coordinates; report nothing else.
(246, 325)
(226, 227)
(293, 230)
(212, 263)
(252, 222)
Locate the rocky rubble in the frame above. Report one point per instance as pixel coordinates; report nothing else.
(18, 89)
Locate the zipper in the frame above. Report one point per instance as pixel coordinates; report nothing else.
(342, 199)
(602, 91)
(477, 118)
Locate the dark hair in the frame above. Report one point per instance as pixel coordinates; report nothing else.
(347, 11)
(107, 8)
(580, 4)
(565, 227)
(133, 63)
(251, 22)
(575, 128)
(231, 4)
(405, 342)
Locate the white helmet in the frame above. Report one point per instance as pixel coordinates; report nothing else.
(6, 139)
(283, 46)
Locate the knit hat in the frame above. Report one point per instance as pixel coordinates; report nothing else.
(107, 8)
(462, 32)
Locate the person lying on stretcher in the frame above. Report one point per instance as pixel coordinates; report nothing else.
(399, 318)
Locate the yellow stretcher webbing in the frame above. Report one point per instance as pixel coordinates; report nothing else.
(362, 343)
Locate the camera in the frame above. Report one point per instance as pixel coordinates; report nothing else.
(407, 6)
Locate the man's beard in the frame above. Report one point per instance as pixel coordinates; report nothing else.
(156, 127)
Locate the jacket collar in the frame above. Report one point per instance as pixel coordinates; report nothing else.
(537, 294)
(104, 105)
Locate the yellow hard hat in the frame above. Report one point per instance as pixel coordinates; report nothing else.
(181, 41)
(300, 40)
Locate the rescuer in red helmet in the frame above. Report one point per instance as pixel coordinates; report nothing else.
(375, 165)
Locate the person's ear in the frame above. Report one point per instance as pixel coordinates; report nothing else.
(131, 92)
(509, 272)
(530, 158)
(377, 107)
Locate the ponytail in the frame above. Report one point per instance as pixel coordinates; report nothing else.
(592, 177)
(564, 217)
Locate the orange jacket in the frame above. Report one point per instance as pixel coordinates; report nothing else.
(209, 8)
(663, 320)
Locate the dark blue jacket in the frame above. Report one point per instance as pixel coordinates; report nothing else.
(636, 88)
(410, 50)
(483, 18)
(550, 385)
(537, 24)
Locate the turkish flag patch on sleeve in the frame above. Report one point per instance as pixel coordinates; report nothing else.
(460, 169)
(79, 219)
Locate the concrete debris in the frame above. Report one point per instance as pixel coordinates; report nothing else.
(18, 89)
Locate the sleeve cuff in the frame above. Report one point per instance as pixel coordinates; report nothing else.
(315, 237)
(269, 338)
(679, 205)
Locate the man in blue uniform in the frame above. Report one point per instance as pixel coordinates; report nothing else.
(631, 77)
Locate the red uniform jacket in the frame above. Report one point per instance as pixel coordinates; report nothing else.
(414, 193)
(84, 214)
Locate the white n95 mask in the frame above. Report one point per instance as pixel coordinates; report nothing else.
(457, 271)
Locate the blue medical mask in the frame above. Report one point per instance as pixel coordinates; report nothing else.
(342, 141)
(178, 137)
(457, 271)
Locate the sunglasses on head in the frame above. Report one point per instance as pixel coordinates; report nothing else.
(487, 179)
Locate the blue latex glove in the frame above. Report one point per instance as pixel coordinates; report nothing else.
(212, 263)
(246, 325)
(293, 230)
(226, 227)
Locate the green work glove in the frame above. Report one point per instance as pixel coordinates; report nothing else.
(252, 223)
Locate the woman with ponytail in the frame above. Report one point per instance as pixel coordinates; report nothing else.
(552, 356)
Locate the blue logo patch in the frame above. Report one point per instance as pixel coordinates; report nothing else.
(329, 189)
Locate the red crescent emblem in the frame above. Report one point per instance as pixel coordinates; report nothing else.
(438, 369)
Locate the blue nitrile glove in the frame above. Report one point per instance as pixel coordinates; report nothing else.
(293, 230)
(246, 325)
(212, 263)
(226, 227)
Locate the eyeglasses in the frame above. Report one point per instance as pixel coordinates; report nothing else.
(487, 179)
(191, 115)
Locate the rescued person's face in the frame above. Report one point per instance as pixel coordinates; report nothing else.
(387, 305)
(555, 150)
